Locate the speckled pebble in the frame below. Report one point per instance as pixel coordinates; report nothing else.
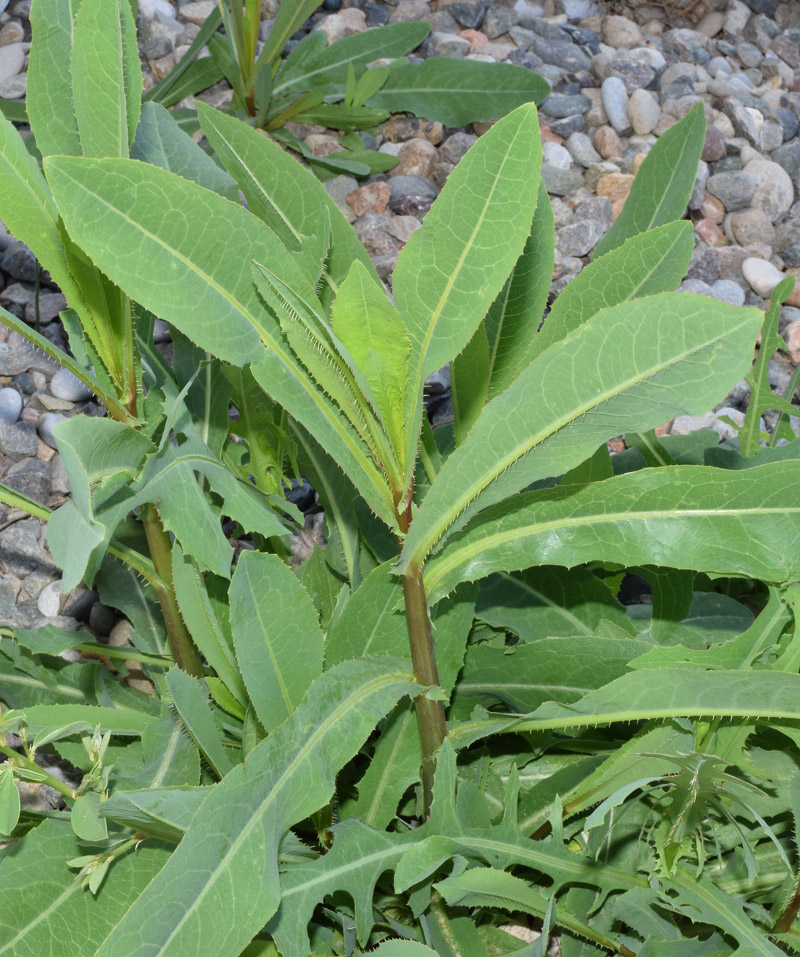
(10, 405)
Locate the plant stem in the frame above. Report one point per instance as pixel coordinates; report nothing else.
(20, 761)
(430, 714)
(183, 649)
(784, 923)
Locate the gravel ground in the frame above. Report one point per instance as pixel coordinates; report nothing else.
(621, 74)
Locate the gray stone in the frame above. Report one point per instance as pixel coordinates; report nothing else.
(568, 125)
(746, 122)
(50, 305)
(582, 151)
(615, 103)
(774, 192)
(580, 238)
(734, 190)
(468, 13)
(12, 60)
(522, 37)
(8, 597)
(791, 255)
(560, 105)
(559, 182)
(47, 422)
(161, 329)
(65, 385)
(771, 135)
(726, 291)
(562, 53)
(30, 477)
(596, 208)
(18, 440)
(696, 286)
(736, 16)
(767, 7)
(102, 619)
(749, 54)
(788, 156)
(555, 155)
(456, 146)
(20, 547)
(788, 120)
(750, 226)
(635, 68)
(643, 112)
(449, 44)
(418, 185)
(18, 261)
(699, 188)
(498, 21)
(10, 405)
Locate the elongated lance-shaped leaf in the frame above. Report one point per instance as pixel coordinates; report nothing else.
(290, 17)
(43, 896)
(690, 516)
(469, 383)
(46, 718)
(164, 813)
(233, 839)
(457, 92)
(452, 269)
(124, 213)
(106, 77)
(190, 697)
(206, 631)
(51, 109)
(643, 265)
(327, 360)
(276, 634)
(160, 140)
(280, 191)
(331, 64)
(663, 184)
(514, 318)
(369, 326)
(629, 368)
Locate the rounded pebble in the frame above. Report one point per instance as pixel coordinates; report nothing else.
(10, 405)
(615, 103)
(65, 385)
(47, 422)
(761, 275)
(49, 600)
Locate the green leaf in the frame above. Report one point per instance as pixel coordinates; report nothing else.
(401, 948)
(331, 64)
(374, 334)
(198, 244)
(49, 101)
(106, 77)
(457, 92)
(163, 813)
(42, 896)
(48, 718)
(550, 601)
(681, 353)
(452, 269)
(179, 81)
(9, 802)
(643, 265)
(728, 523)
(663, 184)
(288, 20)
(204, 628)
(469, 383)
(276, 635)
(234, 837)
(289, 199)
(513, 320)
(643, 695)
(161, 142)
(548, 669)
(190, 698)
(86, 820)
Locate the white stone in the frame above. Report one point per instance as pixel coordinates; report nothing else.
(149, 8)
(346, 23)
(643, 112)
(761, 275)
(736, 17)
(49, 600)
(775, 192)
(556, 155)
(620, 32)
(12, 60)
(64, 385)
(686, 424)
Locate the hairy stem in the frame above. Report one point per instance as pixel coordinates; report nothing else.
(784, 923)
(430, 714)
(183, 649)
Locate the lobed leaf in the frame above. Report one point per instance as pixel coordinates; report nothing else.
(233, 839)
